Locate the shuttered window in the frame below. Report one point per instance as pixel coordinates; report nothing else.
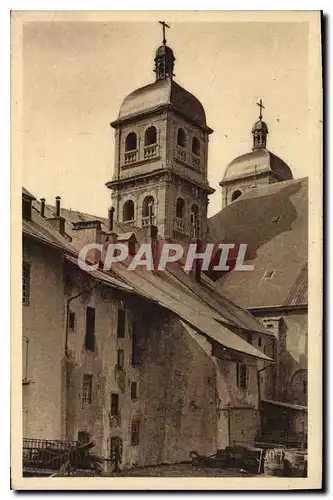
(242, 375)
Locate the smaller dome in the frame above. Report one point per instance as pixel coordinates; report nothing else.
(164, 50)
(259, 161)
(260, 126)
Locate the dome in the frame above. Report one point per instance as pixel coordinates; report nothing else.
(161, 93)
(260, 126)
(164, 50)
(258, 161)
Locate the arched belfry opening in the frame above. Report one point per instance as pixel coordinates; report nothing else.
(181, 138)
(131, 142)
(150, 136)
(128, 211)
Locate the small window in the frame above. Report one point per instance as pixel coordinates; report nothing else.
(90, 329)
(180, 210)
(128, 211)
(249, 337)
(71, 321)
(134, 387)
(83, 437)
(120, 359)
(121, 324)
(259, 341)
(26, 209)
(135, 432)
(242, 375)
(131, 142)
(26, 283)
(196, 146)
(134, 346)
(114, 405)
(87, 388)
(181, 138)
(236, 194)
(150, 136)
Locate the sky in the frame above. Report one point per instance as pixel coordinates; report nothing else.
(76, 75)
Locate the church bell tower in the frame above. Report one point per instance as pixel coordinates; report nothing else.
(161, 146)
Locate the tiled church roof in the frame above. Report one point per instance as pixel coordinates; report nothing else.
(273, 221)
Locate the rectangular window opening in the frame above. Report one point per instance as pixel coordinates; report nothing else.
(134, 391)
(134, 346)
(120, 359)
(87, 388)
(135, 432)
(242, 375)
(121, 323)
(89, 342)
(114, 405)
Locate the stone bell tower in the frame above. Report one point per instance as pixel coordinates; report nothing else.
(161, 146)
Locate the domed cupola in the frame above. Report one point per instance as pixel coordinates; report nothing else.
(254, 168)
(164, 62)
(259, 131)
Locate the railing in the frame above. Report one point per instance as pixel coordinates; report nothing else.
(181, 154)
(44, 453)
(195, 161)
(145, 221)
(150, 151)
(131, 157)
(180, 224)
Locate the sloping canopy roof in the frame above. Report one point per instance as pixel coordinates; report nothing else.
(162, 288)
(273, 221)
(256, 162)
(160, 93)
(199, 305)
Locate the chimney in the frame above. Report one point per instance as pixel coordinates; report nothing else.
(110, 219)
(57, 222)
(42, 207)
(58, 206)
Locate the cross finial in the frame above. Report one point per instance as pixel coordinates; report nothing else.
(261, 106)
(164, 25)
